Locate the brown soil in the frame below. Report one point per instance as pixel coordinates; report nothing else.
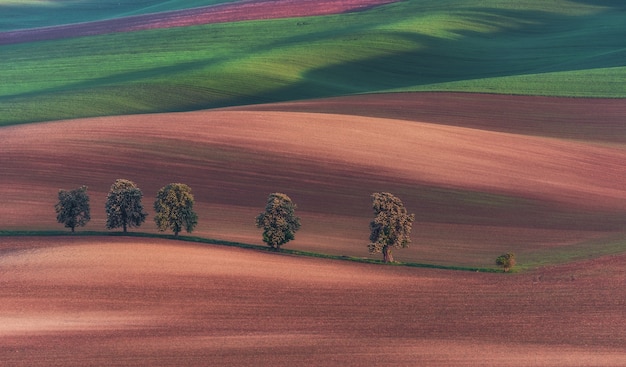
(229, 12)
(586, 119)
(476, 192)
(144, 302)
(478, 189)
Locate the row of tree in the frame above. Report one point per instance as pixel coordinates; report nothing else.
(174, 211)
(389, 229)
(173, 207)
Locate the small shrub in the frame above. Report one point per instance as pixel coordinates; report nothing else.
(506, 261)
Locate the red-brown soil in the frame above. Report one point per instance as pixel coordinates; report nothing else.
(478, 188)
(78, 301)
(586, 119)
(229, 12)
(477, 193)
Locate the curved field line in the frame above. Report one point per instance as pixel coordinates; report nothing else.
(77, 301)
(229, 12)
(476, 193)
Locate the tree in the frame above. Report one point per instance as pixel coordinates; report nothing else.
(123, 205)
(506, 261)
(73, 207)
(391, 226)
(279, 221)
(174, 208)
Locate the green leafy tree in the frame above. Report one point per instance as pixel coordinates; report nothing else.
(391, 226)
(174, 208)
(73, 207)
(506, 261)
(279, 220)
(123, 205)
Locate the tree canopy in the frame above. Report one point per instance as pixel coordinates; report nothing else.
(123, 205)
(391, 226)
(174, 208)
(506, 261)
(73, 208)
(279, 221)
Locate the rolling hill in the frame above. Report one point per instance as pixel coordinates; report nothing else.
(147, 302)
(500, 124)
(476, 192)
(558, 48)
(30, 14)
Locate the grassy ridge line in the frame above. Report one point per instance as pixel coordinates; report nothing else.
(556, 48)
(210, 241)
(610, 245)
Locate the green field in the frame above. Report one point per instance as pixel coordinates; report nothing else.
(558, 48)
(21, 14)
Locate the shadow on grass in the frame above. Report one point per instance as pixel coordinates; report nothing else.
(210, 241)
(513, 48)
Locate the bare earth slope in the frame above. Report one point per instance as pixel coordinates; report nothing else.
(137, 302)
(229, 12)
(585, 119)
(477, 193)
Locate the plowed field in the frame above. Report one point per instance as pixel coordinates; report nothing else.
(484, 174)
(538, 181)
(476, 191)
(146, 302)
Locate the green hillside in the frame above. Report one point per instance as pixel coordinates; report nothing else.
(20, 14)
(560, 48)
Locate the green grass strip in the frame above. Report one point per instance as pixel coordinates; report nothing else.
(210, 241)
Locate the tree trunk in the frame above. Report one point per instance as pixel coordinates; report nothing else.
(124, 219)
(176, 234)
(72, 229)
(387, 254)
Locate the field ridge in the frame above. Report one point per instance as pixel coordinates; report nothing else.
(145, 301)
(477, 193)
(212, 241)
(408, 46)
(236, 11)
(501, 125)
